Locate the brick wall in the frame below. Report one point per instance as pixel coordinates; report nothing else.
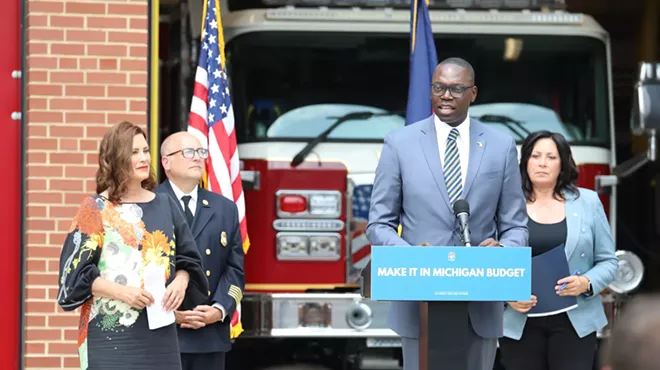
(87, 69)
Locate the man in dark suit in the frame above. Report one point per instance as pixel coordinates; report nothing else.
(213, 220)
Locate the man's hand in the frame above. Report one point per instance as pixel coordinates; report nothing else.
(490, 242)
(575, 285)
(179, 317)
(522, 306)
(189, 319)
(207, 314)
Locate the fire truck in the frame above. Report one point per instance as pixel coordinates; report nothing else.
(298, 68)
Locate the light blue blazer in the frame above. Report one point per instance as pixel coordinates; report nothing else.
(409, 189)
(589, 247)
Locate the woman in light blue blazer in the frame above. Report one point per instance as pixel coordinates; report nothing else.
(560, 213)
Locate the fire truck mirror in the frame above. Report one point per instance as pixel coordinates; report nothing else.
(646, 105)
(644, 121)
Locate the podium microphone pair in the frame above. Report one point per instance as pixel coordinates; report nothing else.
(462, 212)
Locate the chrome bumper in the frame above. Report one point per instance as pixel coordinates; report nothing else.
(317, 315)
(333, 315)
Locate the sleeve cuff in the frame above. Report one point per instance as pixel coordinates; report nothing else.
(222, 309)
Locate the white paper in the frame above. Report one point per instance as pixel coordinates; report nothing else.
(154, 283)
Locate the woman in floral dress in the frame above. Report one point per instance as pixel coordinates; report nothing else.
(114, 236)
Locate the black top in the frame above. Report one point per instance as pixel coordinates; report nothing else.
(544, 237)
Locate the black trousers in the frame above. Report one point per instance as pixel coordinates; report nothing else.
(549, 343)
(203, 361)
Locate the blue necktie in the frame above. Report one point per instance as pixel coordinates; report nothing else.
(452, 168)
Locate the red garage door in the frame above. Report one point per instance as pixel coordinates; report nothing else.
(10, 184)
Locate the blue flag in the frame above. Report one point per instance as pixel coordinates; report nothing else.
(423, 60)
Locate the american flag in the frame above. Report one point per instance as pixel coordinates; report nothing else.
(211, 120)
(360, 246)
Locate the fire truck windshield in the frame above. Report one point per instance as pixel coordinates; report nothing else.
(288, 86)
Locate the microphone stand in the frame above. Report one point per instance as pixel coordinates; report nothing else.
(465, 236)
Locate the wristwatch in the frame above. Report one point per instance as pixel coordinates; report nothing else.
(590, 290)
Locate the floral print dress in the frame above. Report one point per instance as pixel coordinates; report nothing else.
(116, 242)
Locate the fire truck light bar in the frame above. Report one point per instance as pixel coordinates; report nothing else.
(389, 15)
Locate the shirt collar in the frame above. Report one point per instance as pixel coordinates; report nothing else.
(443, 129)
(179, 193)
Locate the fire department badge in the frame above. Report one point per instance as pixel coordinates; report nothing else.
(451, 257)
(223, 239)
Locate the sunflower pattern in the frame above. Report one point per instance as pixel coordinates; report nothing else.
(115, 243)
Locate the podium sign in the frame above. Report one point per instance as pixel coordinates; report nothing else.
(416, 273)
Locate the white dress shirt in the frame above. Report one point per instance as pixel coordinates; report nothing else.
(192, 204)
(462, 143)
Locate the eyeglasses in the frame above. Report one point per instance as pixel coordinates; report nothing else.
(457, 91)
(190, 153)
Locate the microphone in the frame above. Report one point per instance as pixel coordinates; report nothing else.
(462, 212)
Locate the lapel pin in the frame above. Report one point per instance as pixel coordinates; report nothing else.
(205, 202)
(480, 144)
(223, 239)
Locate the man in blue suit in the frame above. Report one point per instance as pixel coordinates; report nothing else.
(214, 223)
(423, 169)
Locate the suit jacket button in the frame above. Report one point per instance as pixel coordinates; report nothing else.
(209, 292)
(208, 273)
(582, 255)
(208, 252)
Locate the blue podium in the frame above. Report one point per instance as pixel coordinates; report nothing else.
(444, 280)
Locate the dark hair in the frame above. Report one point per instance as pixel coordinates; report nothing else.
(460, 62)
(115, 170)
(568, 174)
